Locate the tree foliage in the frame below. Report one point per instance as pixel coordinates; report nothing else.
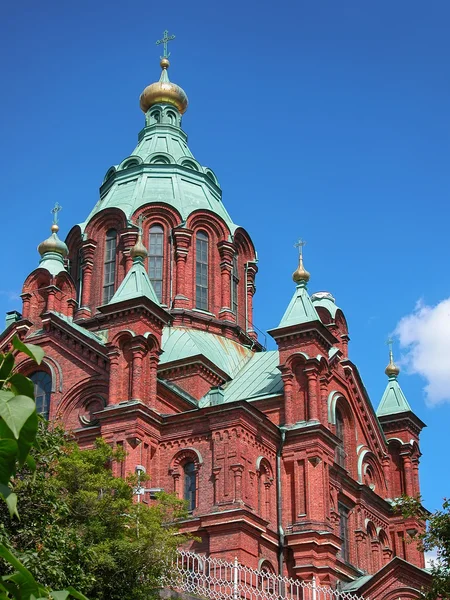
(79, 526)
(434, 535)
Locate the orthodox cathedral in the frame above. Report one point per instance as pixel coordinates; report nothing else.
(145, 314)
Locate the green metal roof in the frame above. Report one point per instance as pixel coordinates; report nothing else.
(162, 169)
(393, 400)
(300, 309)
(180, 343)
(135, 285)
(326, 300)
(53, 262)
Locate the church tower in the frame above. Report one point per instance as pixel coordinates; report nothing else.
(145, 314)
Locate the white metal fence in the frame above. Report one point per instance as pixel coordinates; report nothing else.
(219, 580)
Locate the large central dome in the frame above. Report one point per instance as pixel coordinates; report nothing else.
(164, 92)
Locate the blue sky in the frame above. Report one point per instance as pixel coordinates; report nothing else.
(326, 120)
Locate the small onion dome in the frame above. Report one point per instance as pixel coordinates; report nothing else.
(138, 250)
(164, 92)
(392, 370)
(53, 244)
(301, 274)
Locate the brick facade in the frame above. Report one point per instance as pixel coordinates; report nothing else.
(300, 478)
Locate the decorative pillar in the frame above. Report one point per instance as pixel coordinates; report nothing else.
(26, 304)
(182, 242)
(176, 482)
(138, 352)
(88, 250)
(226, 251)
(313, 413)
(51, 294)
(407, 469)
(250, 271)
(387, 473)
(71, 307)
(128, 238)
(344, 344)
(237, 470)
(323, 400)
(415, 476)
(153, 360)
(288, 381)
(114, 376)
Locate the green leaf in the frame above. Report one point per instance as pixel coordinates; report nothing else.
(22, 385)
(15, 410)
(26, 439)
(76, 595)
(34, 352)
(8, 455)
(31, 463)
(61, 595)
(10, 498)
(6, 366)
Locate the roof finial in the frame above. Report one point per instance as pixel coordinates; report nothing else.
(165, 40)
(391, 370)
(139, 251)
(55, 210)
(301, 275)
(53, 243)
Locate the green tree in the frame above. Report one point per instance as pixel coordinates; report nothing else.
(434, 535)
(80, 526)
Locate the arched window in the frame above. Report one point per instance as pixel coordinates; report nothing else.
(109, 279)
(156, 258)
(234, 286)
(201, 271)
(190, 485)
(340, 449)
(42, 392)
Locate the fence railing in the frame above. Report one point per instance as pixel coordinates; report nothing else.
(219, 580)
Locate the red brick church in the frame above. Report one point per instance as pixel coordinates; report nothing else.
(145, 313)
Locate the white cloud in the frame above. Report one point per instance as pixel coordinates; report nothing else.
(425, 335)
(430, 558)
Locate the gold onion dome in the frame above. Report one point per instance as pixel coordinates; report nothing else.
(392, 370)
(164, 92)
(138, 250)
(53, 244)
(301, 274)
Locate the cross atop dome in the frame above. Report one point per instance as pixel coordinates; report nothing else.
(301, 275)
(165, 40)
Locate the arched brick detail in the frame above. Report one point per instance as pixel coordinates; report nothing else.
(70, 408)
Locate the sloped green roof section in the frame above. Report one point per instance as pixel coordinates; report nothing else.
(393, 400)
(53, 262)
(135, 285)
(179, 343)
(300, 309)
(259, 377)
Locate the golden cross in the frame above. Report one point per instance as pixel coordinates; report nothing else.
(165, 40)
(300, 245)
(55, 210)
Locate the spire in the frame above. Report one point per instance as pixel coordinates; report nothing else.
(163, 91)
(393, 400)
(53, 251)
(301, 308)
(301, 274)
(137, 283)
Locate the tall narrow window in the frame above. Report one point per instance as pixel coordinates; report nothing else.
(190, 485)
(343, 532)
(156, 258)
(234, 286)
(201, 271)
(110, 265)
(42, 391)
(340, 450)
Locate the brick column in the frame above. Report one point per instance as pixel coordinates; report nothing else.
(138, 351)
(226, 252)
(313, 412)
(415, 476)
(288, 381)
(182, 242)
(128, 239)
(387, 473)
(114, 376)
(71, 307)
(153, 360)
(88, 248)
(237, 470)
(26, 298)
(250, 270)
(407, 468)
(51, 294)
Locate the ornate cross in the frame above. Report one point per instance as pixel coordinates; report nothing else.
(165, 40)
(390, 343)
(300, 245)
(140, 220)
(55, 210)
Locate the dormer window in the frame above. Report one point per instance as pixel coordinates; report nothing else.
(109, 277)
